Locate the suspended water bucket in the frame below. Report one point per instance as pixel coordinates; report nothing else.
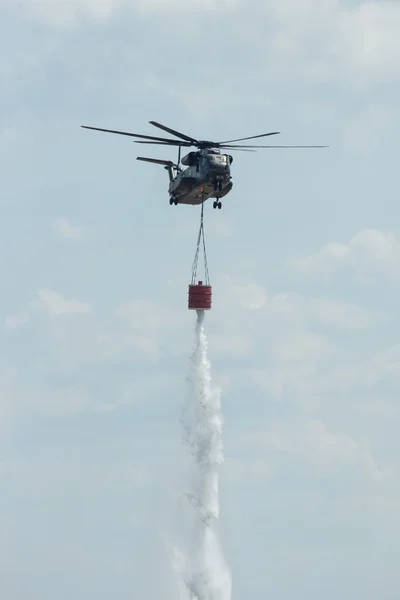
(200, 296)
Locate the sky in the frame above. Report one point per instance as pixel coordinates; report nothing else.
(304, 259)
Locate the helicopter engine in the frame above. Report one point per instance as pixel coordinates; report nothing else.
(190, 160)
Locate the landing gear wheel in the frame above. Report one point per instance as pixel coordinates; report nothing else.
(219, 204)
(173, 200)
(215, 204)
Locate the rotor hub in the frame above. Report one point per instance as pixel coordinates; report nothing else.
(203, 144)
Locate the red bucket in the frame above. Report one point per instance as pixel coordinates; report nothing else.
(200, 296)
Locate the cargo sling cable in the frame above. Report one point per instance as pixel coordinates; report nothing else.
(200, 294)
(196, 258)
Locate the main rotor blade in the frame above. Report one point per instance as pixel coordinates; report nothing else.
(253, 137)
(169, 143)
(237, 149)
(174, 132)
(146, 137)
(232, 147)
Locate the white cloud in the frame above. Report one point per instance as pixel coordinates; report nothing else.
(345, 315)
(330, 41)
(70, 12)
(301, 346)
(369, 252)
(138, 391)
(53, 303)
(300, 309)
(291, 308)
(141, 326)
(251, 296)
(313, 448)
(286, 326)
(239, 470)
(146, 315)
(12, 322)
(60, 402)
(359, 381)
(7, 397)
(361, 37)
(56, 305)
(67, 12)
(217, 226)
(368, 35)
(181, 5)
(236, 295)
(8, 136)
(231, 344)
(369, 128)
(331, 255)
(287, 382)
(76, 344)
(328, 37)
(111, 344)
(63, 229)
(367, 372)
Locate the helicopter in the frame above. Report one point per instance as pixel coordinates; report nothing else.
(208, 170)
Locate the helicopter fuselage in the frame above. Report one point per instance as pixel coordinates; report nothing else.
(207, 176)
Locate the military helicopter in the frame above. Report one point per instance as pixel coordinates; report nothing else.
(208, 170)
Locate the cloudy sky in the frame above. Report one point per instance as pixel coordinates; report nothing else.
(304, 258)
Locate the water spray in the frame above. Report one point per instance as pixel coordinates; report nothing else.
(203, 570)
